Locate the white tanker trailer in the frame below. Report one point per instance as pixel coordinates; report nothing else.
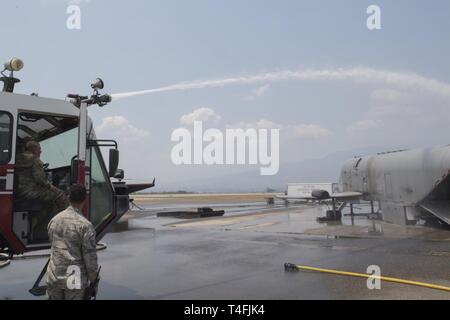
(408, 184)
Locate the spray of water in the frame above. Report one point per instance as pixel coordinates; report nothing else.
(365, 75)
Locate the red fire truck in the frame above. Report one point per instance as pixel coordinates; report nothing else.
(71, 153)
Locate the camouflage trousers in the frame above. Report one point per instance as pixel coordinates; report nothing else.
(55, 202)
(54, 293)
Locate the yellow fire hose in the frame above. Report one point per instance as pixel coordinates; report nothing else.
(293, 267)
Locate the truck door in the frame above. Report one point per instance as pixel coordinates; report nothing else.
(6, 177)
(94, 175)
(33, 208)
(6, 127)
(101, 191)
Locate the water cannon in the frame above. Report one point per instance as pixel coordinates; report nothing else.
(96, 98)
(9, 81)
(101, 100)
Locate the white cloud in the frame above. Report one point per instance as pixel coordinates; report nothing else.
(258, 92)
(387, 95)
(402, 108)
(366, 125)
(78, 2)
(121, 127)
(201, 114)
(398, 109)
(301, 131)
(261, 124)
(310, 131)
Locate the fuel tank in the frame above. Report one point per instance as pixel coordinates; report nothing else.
(402, 181)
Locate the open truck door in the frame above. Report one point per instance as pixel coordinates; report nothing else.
(6, 173)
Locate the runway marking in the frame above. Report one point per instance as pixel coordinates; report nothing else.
(297, 245)
(225, 221)
(262, 225)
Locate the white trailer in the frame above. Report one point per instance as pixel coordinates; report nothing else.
(304, 190)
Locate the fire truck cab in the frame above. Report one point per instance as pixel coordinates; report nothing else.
(71, 153)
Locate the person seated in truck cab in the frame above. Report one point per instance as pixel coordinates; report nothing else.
(32, 187)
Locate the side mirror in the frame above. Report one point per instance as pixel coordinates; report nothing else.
(113, 162)
(120, 174)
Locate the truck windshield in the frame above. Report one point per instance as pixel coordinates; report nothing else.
(59, 150)
(101, 190)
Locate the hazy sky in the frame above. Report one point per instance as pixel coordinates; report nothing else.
(331, 84)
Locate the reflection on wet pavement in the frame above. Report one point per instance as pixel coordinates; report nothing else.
(297, 219)
(242, 256)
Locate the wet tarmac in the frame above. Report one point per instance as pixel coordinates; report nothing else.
(242, 256)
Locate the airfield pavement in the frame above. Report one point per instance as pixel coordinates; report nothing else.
(242, 254)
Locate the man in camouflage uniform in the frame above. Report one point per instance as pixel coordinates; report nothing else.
(32, 184)
(73, 262)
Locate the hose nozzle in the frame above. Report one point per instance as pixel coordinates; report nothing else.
(290, 267)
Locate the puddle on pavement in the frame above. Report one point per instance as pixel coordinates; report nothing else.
(297, 219)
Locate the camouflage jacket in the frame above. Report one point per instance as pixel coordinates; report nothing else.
(31, 180)
(73, 244)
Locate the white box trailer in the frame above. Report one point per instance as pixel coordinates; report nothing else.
(304, 190)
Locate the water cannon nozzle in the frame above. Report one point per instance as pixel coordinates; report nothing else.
(103, 100)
